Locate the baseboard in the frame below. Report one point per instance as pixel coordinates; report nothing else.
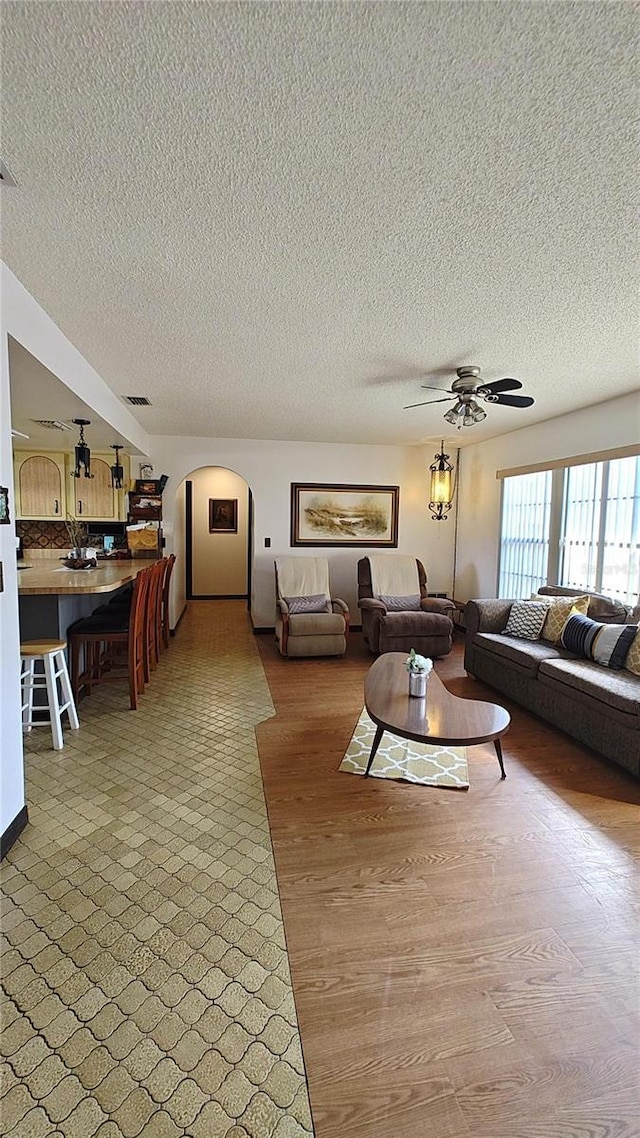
(13, 831)
(218, 597)
(258, 630)
(172, 631)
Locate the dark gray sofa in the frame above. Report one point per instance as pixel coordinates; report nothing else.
(594, 704)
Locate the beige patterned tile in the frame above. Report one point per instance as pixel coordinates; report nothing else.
(144, 942)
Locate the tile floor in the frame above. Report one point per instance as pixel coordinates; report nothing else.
(146, 986)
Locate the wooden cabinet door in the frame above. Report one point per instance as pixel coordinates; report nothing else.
(40, 486)
(94, 497)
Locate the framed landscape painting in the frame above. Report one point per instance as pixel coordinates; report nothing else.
(324, 513)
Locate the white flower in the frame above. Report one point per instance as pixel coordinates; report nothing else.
(416, 663)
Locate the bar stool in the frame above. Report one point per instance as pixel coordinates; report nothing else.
(112, 645)
(54, 663)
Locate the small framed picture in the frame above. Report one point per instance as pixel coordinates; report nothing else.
(146, 470)
(223, 515)
(4, 506)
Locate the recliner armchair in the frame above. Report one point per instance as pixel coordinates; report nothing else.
(309, 621)
(397, 614)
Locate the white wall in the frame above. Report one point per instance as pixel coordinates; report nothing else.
(12, 796)
(219, 565)
(270, 467)
(23, 318)
(603, 427)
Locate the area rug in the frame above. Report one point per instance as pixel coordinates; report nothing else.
(396, 758)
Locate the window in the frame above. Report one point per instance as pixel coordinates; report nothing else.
(524, 550)
(577, 526)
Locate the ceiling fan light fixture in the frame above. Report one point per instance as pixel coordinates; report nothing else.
(477, 414)
(456, 414)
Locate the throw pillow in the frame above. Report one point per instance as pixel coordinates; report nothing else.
(578, 634)
(307, 604)
(605, 644)
(558, 610)
(612, 643)
(632, 663)
(525, 620)
(401, 604)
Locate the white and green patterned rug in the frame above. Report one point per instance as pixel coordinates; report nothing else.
(396, 758)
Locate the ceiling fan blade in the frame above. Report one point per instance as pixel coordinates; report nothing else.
(428, 387)
(427, 403)
(499, 385)
(514, 400)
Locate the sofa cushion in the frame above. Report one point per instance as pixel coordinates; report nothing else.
(317, 603)
(616, 691)
(316, 624)
(527, 654)
(559, 609)
(526, 619)
(401, 604)
(606, 644)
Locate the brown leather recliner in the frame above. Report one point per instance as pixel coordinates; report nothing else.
(428, 629)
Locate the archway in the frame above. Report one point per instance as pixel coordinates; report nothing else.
(217, 535)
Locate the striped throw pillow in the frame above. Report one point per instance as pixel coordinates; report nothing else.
(605, 644)
(632, 663)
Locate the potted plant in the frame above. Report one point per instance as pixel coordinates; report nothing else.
(418, 668)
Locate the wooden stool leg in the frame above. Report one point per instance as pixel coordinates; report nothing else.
(54, 703)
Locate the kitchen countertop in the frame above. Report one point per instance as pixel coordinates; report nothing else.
(41, 577)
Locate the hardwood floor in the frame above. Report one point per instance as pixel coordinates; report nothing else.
(464, 963)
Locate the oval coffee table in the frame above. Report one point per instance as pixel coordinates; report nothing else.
(438, 718)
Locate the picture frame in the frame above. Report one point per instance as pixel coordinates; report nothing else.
(340, 514)
(223, 515)
(146, 470)
(4, 506)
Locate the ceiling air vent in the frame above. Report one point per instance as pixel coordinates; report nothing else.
(137, 400)
(53, 424)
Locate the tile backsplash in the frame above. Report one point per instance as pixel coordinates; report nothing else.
(43, 535)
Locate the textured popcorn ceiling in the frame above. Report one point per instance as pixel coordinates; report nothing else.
(273, 218)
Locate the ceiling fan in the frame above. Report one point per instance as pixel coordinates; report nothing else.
(467, 389)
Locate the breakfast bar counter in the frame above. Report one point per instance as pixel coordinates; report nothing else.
(49, 577)
(52, 597)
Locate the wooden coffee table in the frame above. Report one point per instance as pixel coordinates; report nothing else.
(438, 718)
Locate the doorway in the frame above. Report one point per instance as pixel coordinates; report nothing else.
(218, 535)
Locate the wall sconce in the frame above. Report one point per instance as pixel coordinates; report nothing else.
(117, 471)
(441, 486)
(83, 454)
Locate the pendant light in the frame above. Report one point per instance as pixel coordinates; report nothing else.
(83, 454)
(441, 486)
(117, 471)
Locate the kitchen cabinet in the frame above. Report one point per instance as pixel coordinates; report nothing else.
(46, 490)
(93, 497)
(40, 486)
